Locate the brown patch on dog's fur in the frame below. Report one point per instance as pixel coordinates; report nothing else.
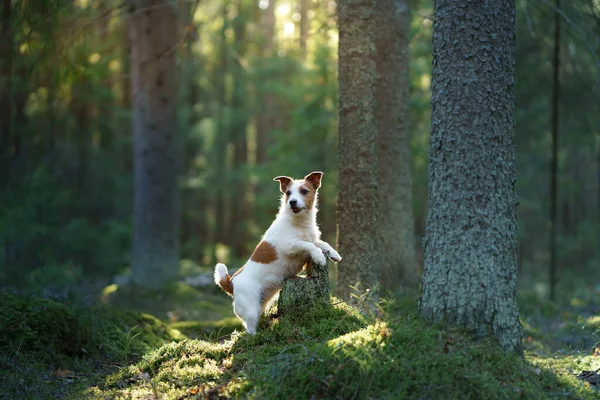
(226, 282)
(264, 253)
(309, 198)
(226, 285)
(284, 182)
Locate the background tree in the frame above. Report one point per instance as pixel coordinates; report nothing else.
(68, 85)
(396, 225)
(154, 40)
(358, 179)
(554, 167)
(469, 275)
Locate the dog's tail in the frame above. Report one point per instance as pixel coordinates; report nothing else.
(223, 279)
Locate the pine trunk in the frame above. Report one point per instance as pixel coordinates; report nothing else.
(154, 35)
(7, 52)
(469, 278)
(304, 26)
(357, 213)
(396, 228)
(240, 206)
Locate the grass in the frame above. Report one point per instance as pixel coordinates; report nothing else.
(325, 351)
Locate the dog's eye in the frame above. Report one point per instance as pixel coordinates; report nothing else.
(288, 193)
(304, 191)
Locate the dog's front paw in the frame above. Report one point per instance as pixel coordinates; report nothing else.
(319, 258)
(334, 256)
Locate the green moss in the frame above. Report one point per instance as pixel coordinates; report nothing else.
(125, 333)
(176, 302)
(330, 351)
(208, 329)
(53, 331)
(42, 327)
(335, 352)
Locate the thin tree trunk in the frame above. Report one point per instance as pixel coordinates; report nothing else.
(357, 216)
(304, 26)
(154, 35)
(554, 168)
(240, 207)
(221, 174)
(469, 278)
(265, 120)
(6, 88)
(106, 133)
(396, 229)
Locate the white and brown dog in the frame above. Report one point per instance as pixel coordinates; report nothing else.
(291, 242)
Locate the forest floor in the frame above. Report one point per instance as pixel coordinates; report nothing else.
(185, 343)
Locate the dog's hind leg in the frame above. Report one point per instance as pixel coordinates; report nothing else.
(247, 309)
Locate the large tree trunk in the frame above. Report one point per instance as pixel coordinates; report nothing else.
(396, 227)
(358, 196)
(154, 35)
(470, 249)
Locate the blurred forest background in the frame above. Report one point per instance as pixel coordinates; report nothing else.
(257, 84)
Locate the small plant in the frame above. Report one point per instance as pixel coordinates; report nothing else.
(122, 348)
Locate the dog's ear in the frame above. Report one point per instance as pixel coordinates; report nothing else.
(284, 182)
(314, 178)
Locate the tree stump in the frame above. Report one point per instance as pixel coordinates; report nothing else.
(298, 291)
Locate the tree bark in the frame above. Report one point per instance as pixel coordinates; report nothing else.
(240, 207)
(7, 52)
(266, 118)
(396, 228)
(221, 177)
(298, 292)
(304, 26)
(154, 36)
(554, 164)
(357, 196)
(469, 278)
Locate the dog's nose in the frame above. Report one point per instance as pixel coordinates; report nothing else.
(293, 203)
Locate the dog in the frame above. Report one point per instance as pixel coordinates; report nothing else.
(290, 243)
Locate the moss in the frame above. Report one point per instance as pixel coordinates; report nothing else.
(330, 351)
(335, 352)
(53, 331)
(42, 327)
(176, 302)
(208, 329)
(124, 333)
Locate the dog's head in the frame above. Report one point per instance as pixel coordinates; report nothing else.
(299, 194)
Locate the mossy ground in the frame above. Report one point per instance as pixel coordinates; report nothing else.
(316, 352)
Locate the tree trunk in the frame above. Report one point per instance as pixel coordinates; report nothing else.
(7, 52)
(240, 207)
(304, 26)
(265, 120)
(154, 35)
(469, 278)
(396, 228)
(554, 165)
(221, 177)
(299, 292)
(357, 197)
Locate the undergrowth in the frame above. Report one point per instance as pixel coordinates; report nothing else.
(321, 351)
(335, 352)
